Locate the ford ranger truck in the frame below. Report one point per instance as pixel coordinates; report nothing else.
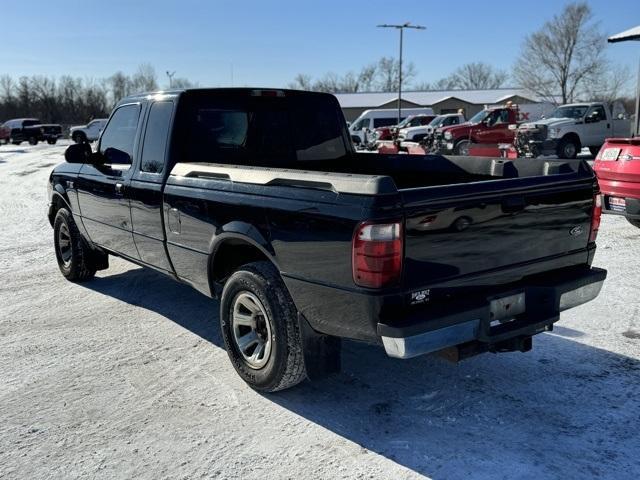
(617, 166)
(256, 197)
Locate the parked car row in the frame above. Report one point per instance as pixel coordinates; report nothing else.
(32, 130)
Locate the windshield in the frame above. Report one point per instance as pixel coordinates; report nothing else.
(405, 122)
(570, 111)
(480, 116)
(436, 122)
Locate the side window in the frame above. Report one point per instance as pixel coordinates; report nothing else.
(156, 137)
(385, 122)
(117, 139)
(362, 124)
(597, 113)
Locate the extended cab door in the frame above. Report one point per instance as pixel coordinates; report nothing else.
(102, 187)
(145, 190)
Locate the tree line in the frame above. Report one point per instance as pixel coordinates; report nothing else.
(68, 100)
(563, 62)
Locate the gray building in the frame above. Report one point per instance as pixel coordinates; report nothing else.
(442, 101)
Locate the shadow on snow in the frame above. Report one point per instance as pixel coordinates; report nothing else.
(564, 410)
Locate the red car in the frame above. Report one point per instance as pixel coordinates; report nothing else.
(617, 166)
(5, 134)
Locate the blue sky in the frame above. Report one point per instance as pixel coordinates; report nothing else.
(268, 43)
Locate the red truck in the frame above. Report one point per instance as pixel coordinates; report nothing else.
(492, 126)
(617, 166)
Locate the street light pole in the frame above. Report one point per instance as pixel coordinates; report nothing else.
(401, 28)
(170, 75)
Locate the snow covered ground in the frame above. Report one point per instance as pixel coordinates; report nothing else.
(126, 377)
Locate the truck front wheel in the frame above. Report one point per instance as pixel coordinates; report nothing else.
(75, 259)
(33, 141)
(568, 148)
(260, 328)
(462, 147)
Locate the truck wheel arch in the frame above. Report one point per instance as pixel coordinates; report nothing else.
(230, 251)
(58, 201)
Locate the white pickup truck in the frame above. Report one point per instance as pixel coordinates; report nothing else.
(415, 134)
(571, 127)
(89, 132)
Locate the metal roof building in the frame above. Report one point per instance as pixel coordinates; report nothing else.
(442, 101)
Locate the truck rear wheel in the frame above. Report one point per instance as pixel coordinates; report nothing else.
(75, 259)
(52, 141)
(260, 328)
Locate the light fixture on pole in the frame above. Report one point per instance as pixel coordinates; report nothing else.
(170, 75)
(401, 28)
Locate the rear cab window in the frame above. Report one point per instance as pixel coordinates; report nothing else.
(280, 132)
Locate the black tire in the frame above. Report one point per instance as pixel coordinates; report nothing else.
(634, 222)
(52, 141)
(568, 148)
(284, 366)
(594, 151)
(462, 147)
(79, 266)
(79, 137)
(15, 142)
(461, 224)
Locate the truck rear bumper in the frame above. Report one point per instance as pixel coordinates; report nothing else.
(507, 315)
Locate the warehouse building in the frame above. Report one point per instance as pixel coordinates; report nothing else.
(442, 101)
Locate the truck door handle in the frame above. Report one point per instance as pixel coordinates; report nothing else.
(119, 189)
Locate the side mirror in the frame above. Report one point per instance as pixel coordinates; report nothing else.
(78, 153)
(113, 156)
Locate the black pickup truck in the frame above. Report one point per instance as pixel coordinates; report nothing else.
(32, 130)
(257, 197)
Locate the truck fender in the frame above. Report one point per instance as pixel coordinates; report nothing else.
(244, 234)
(59, 199)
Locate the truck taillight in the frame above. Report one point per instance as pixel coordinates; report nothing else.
(595, 218)
(377, 254)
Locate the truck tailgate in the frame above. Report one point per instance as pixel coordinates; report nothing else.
(483, 229)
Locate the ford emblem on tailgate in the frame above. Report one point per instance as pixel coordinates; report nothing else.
(575, 231)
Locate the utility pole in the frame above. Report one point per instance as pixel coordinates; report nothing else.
(170, 75)
(401, 28)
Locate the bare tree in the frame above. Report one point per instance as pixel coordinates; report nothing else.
(477, 76)
(387, 74)
(614, 84)
(144, 80)
(563, 57)
(120, 86)
(182, 82)
(301, 82)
